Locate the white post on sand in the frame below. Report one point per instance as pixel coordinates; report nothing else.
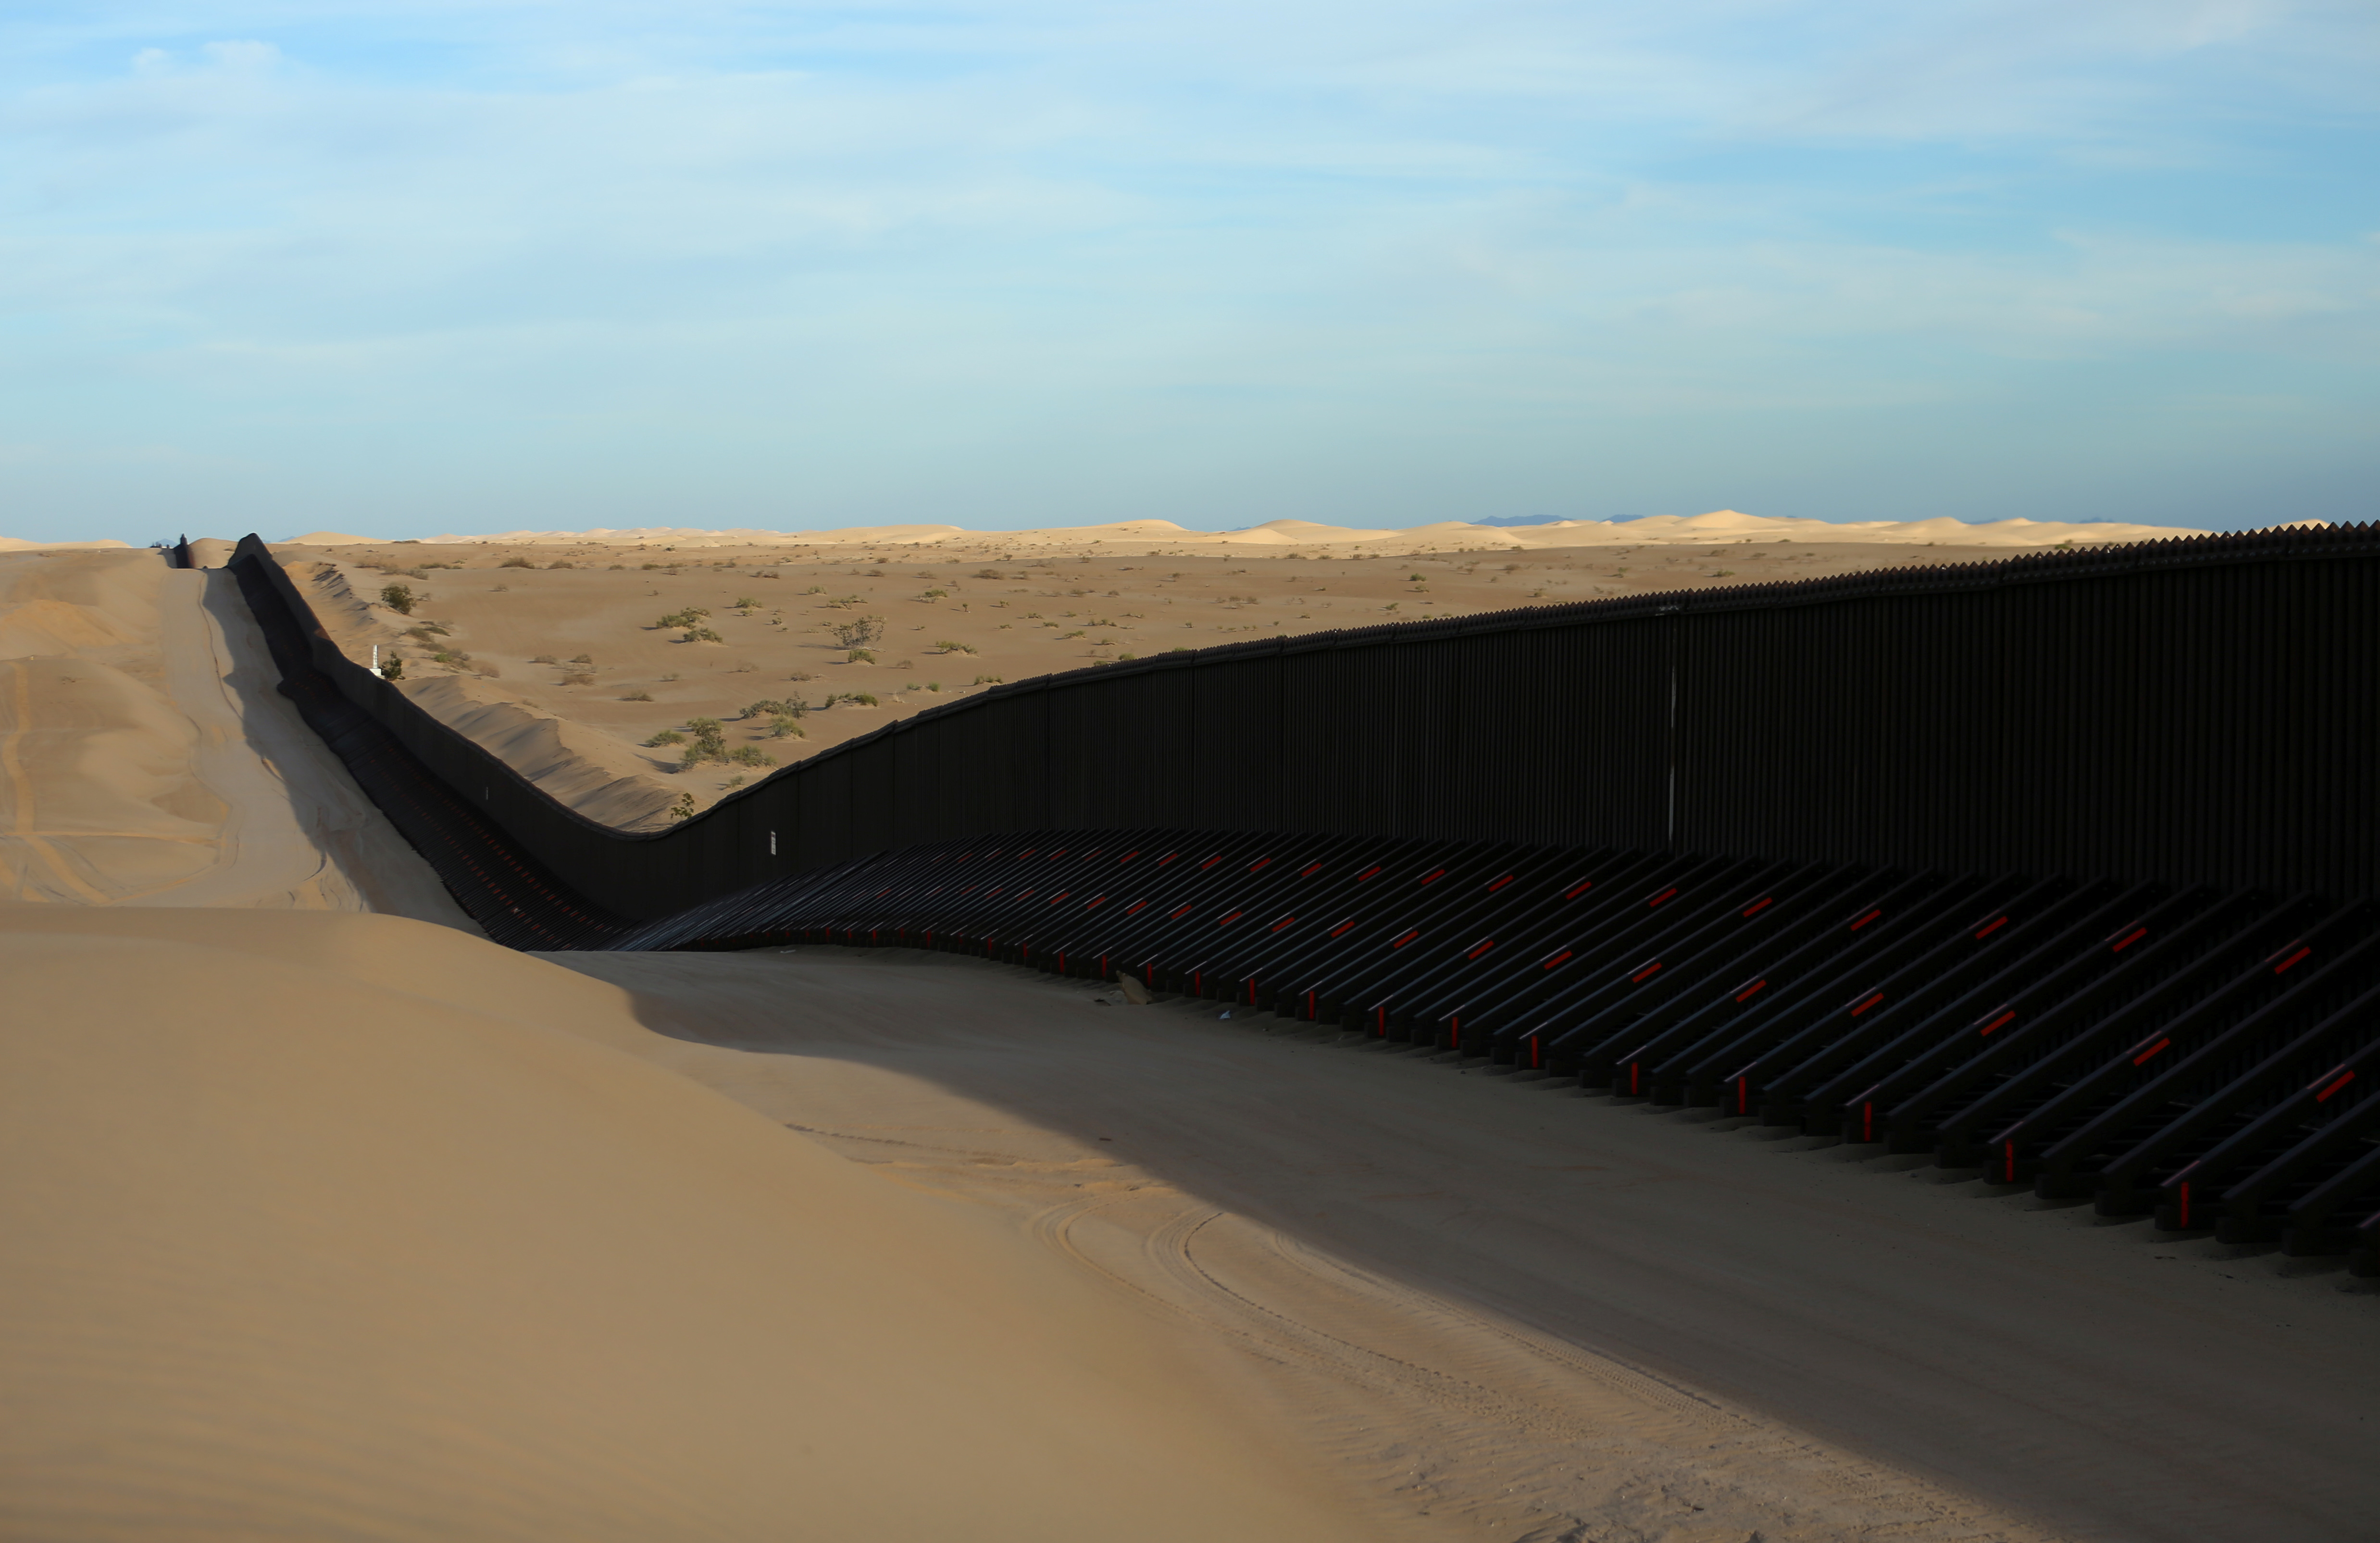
(375, 664)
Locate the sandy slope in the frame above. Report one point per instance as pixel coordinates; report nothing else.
(145, 756)
(1518, 1314)
(325, 1226)
(567, 673)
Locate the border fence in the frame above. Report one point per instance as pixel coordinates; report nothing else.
(2060, 869)
(2198, 710)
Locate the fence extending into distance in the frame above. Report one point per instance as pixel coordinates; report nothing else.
(2060, 869)
(2197, 710)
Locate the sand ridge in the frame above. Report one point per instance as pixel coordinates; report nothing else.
(146, 759)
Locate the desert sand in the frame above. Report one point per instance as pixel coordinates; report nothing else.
(146, 759)
(329, 1223)
(547, 648)
(1525, 1314)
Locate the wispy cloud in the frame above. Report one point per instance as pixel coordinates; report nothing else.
(436, 260)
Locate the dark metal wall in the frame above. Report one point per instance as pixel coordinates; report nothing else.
(2196, 711)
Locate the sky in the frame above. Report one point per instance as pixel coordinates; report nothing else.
(403, 267)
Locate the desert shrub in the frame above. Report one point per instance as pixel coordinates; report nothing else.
(701, 635)
(646, 568)
(638, 696)
(560, 562)
(813, 589)
(691, 616)
(906, 664)
(858, 632)
(987, 573)
(544, 659)
(1121, 657)
(684, 807)
(578, 678)
(990, 680)
(938, 594)
(801, 674)
(672, 675)
(582, 659)
(392, 668)
(500, 588)
(856, 698)
(618, 567)
(426, 631)
(397, 597)
(768, 707)
(745, 603)
(1078, 632)
(454, 657)
(783, 726)
(952, 645)
(667, 737)
(859, 656)
(751, 755)
(517, 562)
(1416, 578)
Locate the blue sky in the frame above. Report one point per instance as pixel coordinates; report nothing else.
(421, 266)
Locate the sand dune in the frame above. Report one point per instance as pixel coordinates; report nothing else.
(12, 543)
(318, 1225)
(1148, 537)
(145, 756)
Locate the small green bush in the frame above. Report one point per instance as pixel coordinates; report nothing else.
(559, 563)
(544, 659)
(859, 656)
(667, 737)
(951, 645)
(582, 659)
(638, 696)
(990, 680)
(397, 597)
(785, 726)
(684, 807)
(701, 635)
(517, 562)
(751, 755)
